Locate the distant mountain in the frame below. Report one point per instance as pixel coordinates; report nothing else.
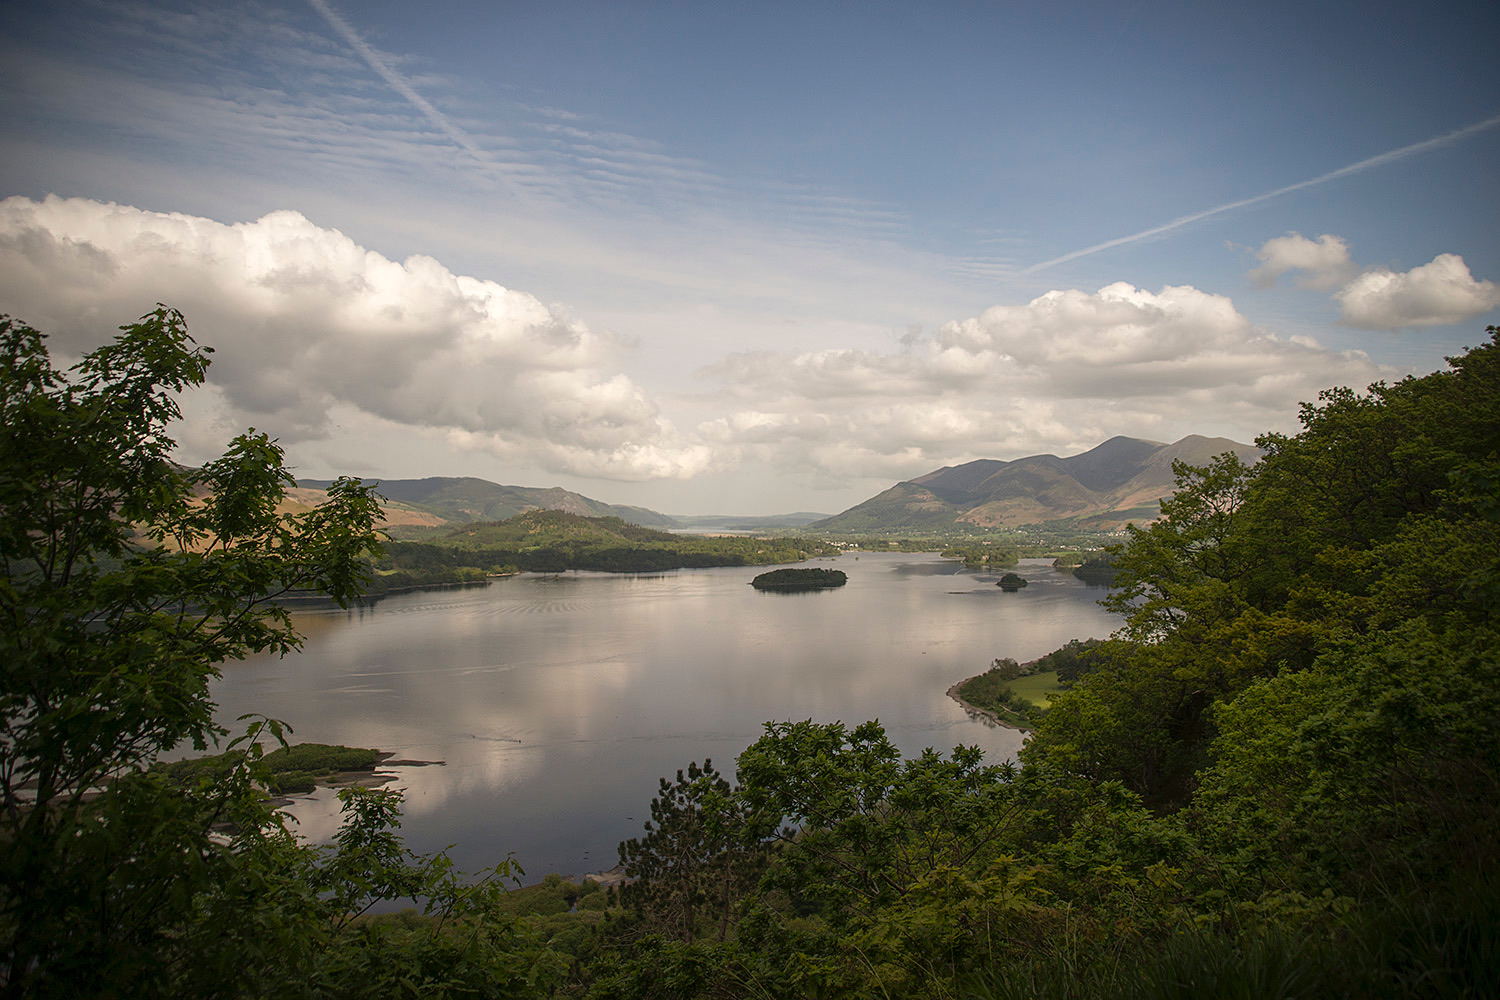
(746, 522)
(1121, 480)
(465, 499)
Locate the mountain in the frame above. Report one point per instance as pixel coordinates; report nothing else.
(1119, 481)
(746, 523)
(464, 499)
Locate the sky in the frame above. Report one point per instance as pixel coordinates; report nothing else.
(751, 258)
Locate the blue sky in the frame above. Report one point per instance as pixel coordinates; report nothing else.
(751, 258)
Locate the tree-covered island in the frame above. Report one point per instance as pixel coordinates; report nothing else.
(800, 579)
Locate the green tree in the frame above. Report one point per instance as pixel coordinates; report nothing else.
(693, 861)
(127, 580)
(860, 826)
(1005, 668)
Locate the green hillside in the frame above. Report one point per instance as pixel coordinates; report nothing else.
(549, 528)
(551, 541)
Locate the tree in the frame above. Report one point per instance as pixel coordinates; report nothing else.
(693, 857)
(860, 827)
(126, 581)
(1379, 512)
(1005, 668)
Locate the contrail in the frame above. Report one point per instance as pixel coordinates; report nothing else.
(396, 80)
(1353, 168)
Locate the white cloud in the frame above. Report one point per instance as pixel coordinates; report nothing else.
(1434, 294)
(304, 320)
(323, 342)
(1059, 374)
(1324, 262)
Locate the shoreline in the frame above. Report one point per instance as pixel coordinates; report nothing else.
(363, 777)
(987, 713)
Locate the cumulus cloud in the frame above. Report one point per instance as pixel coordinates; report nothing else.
(1059, 374)
(1434, 294)
(305, 321)
(1324, 263)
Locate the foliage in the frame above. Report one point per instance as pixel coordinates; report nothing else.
(1097, 570)
(800, 579)
(127, 580)
(1378, 763)
(980, 555)
(551, 541)
(294, 768)
(1012, 582)
(1280, 777)
(693, 863)
(1005, 669)
(1255, 572)
(994, 691)
(1071, 661)
(859, 826)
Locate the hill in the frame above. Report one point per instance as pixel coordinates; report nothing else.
(553, 541)
(460, 500)
(1119, 481)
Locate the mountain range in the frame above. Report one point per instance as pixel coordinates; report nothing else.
(1119, 481)
(460, 500)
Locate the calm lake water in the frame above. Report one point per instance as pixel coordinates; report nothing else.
(557, 701)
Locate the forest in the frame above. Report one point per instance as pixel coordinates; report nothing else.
(553, 541)
(1278, 778)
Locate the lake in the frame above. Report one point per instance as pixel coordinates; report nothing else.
(556, 701)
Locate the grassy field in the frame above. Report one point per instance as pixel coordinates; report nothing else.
(1018, 702)
(1037, 688)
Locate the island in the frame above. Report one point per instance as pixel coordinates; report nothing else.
(1011, 582)
(800, 579)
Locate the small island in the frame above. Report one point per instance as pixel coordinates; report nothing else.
(1011, 582)
(800, 579)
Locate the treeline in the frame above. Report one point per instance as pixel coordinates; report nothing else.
(979, 555)
(555, 542)
(1097, 570)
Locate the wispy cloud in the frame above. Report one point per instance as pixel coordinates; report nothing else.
(396, 80)
(1354, 168)
(566, 161)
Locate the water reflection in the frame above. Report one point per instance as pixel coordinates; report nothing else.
(557, 701)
